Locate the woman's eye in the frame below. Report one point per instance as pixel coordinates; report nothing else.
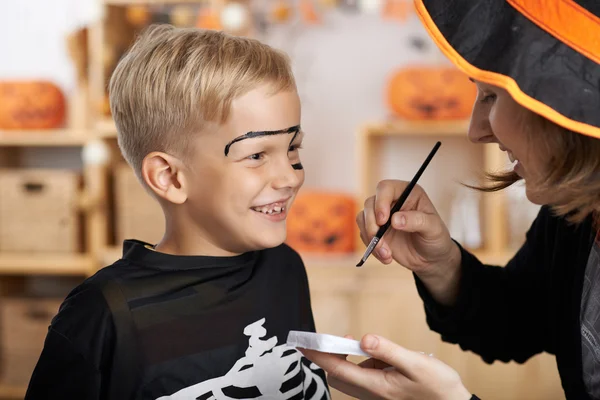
(489, 98)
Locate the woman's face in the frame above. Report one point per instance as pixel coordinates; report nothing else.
(498, 118)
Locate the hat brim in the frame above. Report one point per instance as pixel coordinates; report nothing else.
(494, 42)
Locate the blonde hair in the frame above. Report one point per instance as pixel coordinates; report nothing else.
(572, 170)
(173, 82)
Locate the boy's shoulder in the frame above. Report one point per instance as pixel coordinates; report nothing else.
(85, 303)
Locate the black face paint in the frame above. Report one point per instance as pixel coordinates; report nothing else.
(250, 135)
(297, 166)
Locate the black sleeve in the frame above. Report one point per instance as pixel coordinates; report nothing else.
(63, 373)
(500, 312)
(76, 351)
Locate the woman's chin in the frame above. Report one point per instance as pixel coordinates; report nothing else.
(535, 197)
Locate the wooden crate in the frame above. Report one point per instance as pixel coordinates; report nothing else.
(39, 211)
(24, 322)
(138, 215)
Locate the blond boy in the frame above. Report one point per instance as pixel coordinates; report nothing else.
(210, 124)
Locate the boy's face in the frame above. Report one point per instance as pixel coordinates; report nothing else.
(245, 175)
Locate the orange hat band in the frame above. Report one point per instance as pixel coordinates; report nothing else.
(565, 20)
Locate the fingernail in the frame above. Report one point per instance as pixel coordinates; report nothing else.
(370, 342)
(382, 252)
(380, 217)
(400, 220)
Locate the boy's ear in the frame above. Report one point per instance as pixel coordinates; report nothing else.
(164, 176)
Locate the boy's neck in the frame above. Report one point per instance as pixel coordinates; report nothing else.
(186, 242)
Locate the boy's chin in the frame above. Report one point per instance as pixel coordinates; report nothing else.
(268, 240)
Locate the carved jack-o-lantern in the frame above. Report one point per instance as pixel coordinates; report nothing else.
(31, 105)
(322, 222)
(431, 93)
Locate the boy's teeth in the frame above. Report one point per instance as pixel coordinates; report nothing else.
(269, 210)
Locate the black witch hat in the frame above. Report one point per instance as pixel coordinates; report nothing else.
(546, 54)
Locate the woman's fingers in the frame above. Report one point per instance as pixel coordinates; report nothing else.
(382, 251)
(371, 224)
(386, 193)
(428, 225)
(409, 363)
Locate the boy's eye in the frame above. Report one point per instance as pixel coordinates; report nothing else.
(295, 147)
(256, 156)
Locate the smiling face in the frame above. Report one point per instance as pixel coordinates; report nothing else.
(245, 175)
(498, 118)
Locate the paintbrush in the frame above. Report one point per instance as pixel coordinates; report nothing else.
(383, 228)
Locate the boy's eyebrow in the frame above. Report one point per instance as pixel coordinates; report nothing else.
(253, 134)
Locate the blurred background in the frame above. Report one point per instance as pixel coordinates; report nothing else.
(376, 96)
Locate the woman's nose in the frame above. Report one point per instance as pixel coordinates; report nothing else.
(480, 130)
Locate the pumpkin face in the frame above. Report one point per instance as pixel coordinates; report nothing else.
(31, 105)
(320, 222)
(431, 93)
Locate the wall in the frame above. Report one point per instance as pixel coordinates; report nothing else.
(342, 84)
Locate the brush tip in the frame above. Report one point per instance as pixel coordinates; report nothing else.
(360, 263)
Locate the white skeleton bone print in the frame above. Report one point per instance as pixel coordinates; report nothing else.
(265, 372)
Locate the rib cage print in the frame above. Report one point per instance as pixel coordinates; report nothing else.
(267, 371)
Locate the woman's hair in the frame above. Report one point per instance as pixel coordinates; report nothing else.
(572, 170)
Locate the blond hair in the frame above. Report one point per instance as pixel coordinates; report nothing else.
(572, 170)
(173, 82)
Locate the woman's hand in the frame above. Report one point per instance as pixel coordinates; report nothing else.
(417, 239)
(393, 373)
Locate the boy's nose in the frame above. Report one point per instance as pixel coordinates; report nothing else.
(287, 176)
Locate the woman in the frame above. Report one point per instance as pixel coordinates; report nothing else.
(537, 69)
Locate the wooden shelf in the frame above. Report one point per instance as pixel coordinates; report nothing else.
(106, 128)
(46, 264)
(47, 138)
(420, 128)
(160, 2)
(12, 392)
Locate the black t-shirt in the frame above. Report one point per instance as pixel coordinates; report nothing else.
(205, 328)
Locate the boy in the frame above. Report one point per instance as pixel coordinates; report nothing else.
(211, 126)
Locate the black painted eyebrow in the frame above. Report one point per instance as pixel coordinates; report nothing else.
(292, 129)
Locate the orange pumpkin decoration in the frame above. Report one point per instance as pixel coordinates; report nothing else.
(31, 105)
(397, 10)
(431, 93)
(209, 19)
(137, 15)
(309, 12)
(281, 11)
(322, 222)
